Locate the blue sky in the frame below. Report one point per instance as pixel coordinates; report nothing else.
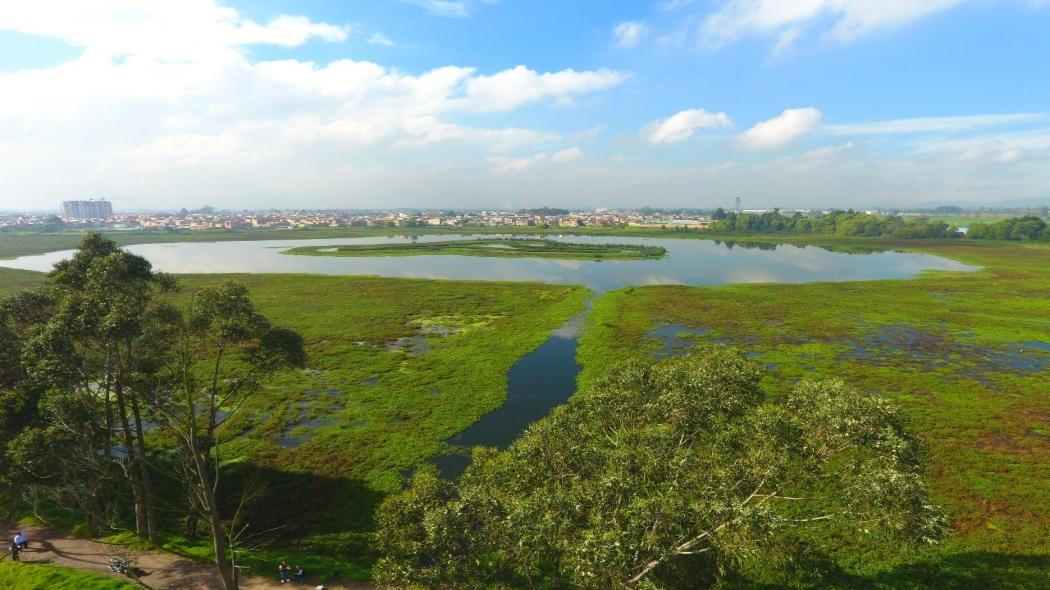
(512, 103)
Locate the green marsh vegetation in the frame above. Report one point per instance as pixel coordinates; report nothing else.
(394, 368)
(493, 248)
(965, 354)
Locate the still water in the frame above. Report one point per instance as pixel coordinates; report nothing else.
(546, 377)
(689, 262)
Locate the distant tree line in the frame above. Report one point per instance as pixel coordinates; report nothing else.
(544, 211)
(835, 223)
(859, 224)
(1027, 228)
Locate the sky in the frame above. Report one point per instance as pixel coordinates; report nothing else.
(163, 104)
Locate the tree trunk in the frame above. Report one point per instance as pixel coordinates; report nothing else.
(134, 470)
(191, 526)
(147, 487)
(211, 509)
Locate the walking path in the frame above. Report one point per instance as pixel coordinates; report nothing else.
(158, 570)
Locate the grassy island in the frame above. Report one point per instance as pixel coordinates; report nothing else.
(495, 248)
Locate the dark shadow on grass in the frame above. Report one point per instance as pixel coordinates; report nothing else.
(965, 570)
(305, 513)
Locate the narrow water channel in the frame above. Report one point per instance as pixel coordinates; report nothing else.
(536, 384)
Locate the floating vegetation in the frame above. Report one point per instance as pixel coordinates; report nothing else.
(676, 339)
(496, 248)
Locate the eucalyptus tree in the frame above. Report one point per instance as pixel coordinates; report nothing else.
(659, 477)
(88, 354)
(217, 356)
(19, 400)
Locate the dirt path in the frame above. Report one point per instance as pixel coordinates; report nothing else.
(158, 570)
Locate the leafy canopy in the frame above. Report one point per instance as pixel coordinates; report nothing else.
(662, 476)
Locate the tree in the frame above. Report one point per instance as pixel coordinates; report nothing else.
(89, 355)
(217, 357)
(719, 214)
(662, 476)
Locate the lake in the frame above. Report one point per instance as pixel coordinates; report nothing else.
(689, 262)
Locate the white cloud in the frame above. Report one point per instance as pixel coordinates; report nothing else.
(428, 130)
(503, 165)
(933, 124)
(682, 125)
(822, 156)
(838, 20)
(629, 33)
(567, 155)
(782, 130)
(670, 5)
(588, 134)
(449, 8)
(519, 86)
(170, 86)
(168, 30)
(381, 39)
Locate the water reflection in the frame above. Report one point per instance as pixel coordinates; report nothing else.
(689, 262)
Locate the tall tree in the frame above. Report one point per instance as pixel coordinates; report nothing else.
(220, 353)
(660, 477)
(89, 354)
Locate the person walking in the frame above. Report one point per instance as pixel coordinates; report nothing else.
(284, 571)
(300, 575)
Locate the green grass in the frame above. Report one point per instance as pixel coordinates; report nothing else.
(33, 576)
(492, 248)
(947, 346)
(14, 280)
(395, 368)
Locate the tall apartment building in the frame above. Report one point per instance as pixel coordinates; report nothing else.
(100, 209)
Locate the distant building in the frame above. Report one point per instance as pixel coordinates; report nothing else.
(100, 209)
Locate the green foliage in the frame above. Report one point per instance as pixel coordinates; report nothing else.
(835, 223)
(1022, 229)
(32, 576)
(545, 211)
(963, 353)
(662, 476)
(493, 248)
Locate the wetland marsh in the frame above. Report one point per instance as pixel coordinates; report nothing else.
(404, 370)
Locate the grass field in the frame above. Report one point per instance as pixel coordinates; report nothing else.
(13, 280)
(492, 248)
(32, 576)
(395, 368)
(966, 354)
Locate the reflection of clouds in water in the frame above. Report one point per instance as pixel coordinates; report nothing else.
(566, 264)
(749, 275)
(808, 259)
(690, 261)
(657, 280)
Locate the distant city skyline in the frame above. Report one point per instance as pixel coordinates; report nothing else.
(253, 104)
